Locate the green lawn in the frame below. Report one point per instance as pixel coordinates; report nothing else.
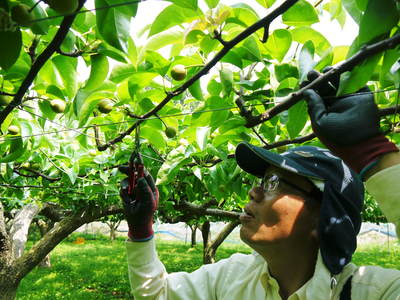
(98, 270)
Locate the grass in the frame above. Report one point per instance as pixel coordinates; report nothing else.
(97, 269)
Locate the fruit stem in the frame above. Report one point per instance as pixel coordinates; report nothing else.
(161, 120)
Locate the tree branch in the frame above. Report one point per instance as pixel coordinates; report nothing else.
(37, 173)
(199, 210)
(39, 63)
(340, 68)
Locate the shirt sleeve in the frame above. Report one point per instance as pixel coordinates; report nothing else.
(149, 279)
(385, 188)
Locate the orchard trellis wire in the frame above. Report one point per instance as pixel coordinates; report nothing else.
(165, 116)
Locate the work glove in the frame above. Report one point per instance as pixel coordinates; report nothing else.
(139, 207)
(348, 125)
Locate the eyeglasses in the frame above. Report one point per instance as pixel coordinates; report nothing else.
(270, 183)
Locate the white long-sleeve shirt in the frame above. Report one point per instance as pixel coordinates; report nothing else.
(246, 277)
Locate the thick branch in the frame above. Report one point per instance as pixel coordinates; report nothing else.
(61, 230)
(39, 63)
(342, 67)
(199, 210)
(20, 227)
(228, 45)
(223, 234)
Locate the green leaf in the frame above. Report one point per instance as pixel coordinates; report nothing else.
(142, 79)
(79, 100)
(304, 34)
(306, 59)
(158, 62)
(195, 90)
(226, 80)
(278, 43)
(379, 18)
(66, 67)
(121, 72)
(113, 25)
(351, 82)
(16, 150)
(284, 71)
(297, 119)
(9, 52)
(233, 58)
(300, 14)
(163, 39)
(214, 87)
(250, 44)
(266, 3)
(353, 10)
(243, 15)
(153, 136)
(212, 3)
(98, 71)
(171, 16)
(191, 4)
(389, 58)
(202, 134)
(41, 27)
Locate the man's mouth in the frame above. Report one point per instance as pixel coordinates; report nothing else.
(246, 215)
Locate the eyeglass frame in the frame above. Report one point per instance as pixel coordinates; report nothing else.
(314, 193)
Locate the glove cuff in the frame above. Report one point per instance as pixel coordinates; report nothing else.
(363, 154)
(141, 233)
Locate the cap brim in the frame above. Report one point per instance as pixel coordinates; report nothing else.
(255, 160)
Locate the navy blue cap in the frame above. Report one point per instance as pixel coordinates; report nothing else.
(342, 197)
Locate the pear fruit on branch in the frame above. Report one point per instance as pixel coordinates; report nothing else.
(105, 106)
(21, 15)
(5, 100)
(178, 72)
(63, 6)
(13, 130)
(57, 105)
(170, 132)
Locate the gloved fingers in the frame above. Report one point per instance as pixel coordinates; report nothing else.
(150, 181)
(143, 190)
(326, 88)
(335, 80)
(316, 105)
(123, 192)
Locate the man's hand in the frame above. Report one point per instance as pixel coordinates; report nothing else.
(349, 125)
(140, 206)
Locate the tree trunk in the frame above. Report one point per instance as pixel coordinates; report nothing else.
(210, 248)
(112, 233)
(8, 288)
(193, 229)
(206, 234)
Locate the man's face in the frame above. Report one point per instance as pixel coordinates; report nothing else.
(280, 216)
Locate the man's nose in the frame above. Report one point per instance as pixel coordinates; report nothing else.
(255, 193)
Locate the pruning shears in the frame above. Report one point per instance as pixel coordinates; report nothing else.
(136, 166)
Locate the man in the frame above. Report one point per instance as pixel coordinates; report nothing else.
(302, 220)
